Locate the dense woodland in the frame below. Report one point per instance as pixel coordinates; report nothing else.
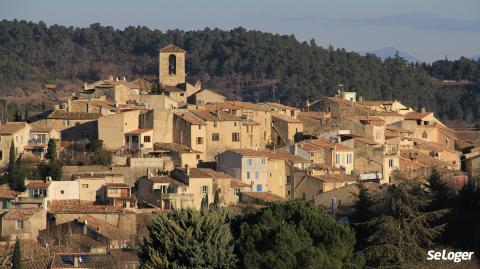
(238, 62)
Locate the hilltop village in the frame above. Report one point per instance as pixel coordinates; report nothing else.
(130, 149)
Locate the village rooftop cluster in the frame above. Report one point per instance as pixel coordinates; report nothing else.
(189, 146)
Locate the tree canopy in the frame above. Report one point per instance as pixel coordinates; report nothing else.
(189, 239)
(294, 234)
(37, 53)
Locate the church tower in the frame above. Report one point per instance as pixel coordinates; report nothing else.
(171, 65)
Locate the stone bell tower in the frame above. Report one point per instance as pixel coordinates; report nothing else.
(171, 65)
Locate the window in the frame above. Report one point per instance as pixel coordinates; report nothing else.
(199, 140)
(172, 64)
(147, 139)
(259, 187)
(205, 189)
(62, 192)
(248, 175)
(215, 136)
(312, 154)
(182, 94)
(424, 135)
(66, 122)
(249, 161)
(390, 163)
(198, 156)
(199, 127)
(257, 174)
(84, 186)
(289, 179)
(1, 155)
(235, 137)
(349, 158)
(337, 158)
(215, 124)
(263, 161)
(234, 123)
(19, 224)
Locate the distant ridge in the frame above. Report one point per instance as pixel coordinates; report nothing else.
(386, 52)
(476, 57)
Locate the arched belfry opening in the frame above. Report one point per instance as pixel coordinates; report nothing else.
(172, 64)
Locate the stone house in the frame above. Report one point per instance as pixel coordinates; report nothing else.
(73, 126)
(164, 192)
(262, 170)
(285, 129)
(16, 132)
(205, 96)
(181, 155)
(25, 223)
(113, 128)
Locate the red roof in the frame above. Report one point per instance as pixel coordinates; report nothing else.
(171, 48)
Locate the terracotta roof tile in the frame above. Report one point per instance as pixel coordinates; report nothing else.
(21, 213)
(8, 194)
(191, 118)
(171, 48)
(83, 207)
(103, 228)
(66, 115)
(37, 184)
(285, 118)
(165, 180)
(416, 115)
(12, 127)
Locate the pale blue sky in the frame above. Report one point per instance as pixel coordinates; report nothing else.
(427, 29)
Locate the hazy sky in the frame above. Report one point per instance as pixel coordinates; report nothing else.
(427, 29)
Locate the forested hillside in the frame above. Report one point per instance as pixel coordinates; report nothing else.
(233, 61)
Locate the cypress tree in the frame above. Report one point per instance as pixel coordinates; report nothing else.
(17, 256)
(52, 150)
(216, 199)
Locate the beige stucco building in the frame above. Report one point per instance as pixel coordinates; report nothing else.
(16, 132)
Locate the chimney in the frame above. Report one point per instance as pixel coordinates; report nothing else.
(423, 110)
(124, 78)
(69, 105)
(57, 107)
(360, 99)
(85, 86)
(116, 78)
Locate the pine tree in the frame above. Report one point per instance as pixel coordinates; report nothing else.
(189, 239)
(402, 233)
(17, 256)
